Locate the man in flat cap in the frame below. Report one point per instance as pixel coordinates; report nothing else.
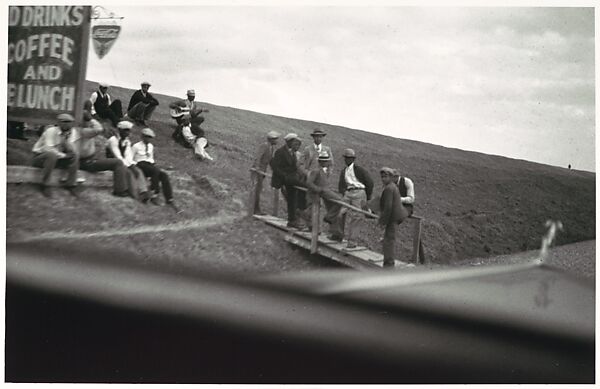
(356, 185)
(143, 156)
(311, 152)
(53, 149)
(141, 105)
(391, 214)
(103, 106)
(265, 153)
(286, 175)
(317, 181)
(187, 107)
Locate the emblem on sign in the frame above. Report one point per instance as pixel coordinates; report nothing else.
(105, 30)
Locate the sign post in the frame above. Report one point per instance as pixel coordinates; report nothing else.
(47, 60)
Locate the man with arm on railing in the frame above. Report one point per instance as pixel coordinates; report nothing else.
(286, 175)
(318, 182)
(263, 158)
(356, 185)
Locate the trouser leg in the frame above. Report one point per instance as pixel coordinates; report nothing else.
(104, 164)
(290, 193)
(71, 165)
(257, 191)
(148, 111)
(166, 185)
(137, 111)
(46, 161)
(116, 108)
(389, 244)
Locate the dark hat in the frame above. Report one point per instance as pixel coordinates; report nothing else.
(318, 131)
(349, 153)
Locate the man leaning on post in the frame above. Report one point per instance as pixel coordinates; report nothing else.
(54, 149)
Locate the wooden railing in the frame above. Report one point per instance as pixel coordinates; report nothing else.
(316, 217)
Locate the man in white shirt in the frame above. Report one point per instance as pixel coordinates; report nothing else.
(406, 187)
(356, 185)
(53, 149)
(119, 146)
(143, 155)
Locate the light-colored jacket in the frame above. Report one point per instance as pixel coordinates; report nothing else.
(309, 160)
(52, 141)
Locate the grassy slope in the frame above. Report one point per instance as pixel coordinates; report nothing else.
(475, 205)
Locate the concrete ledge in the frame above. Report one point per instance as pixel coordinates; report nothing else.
(33, 175)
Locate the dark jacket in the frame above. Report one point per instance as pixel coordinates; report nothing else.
(138, 96)
(361, 175)
(285, 169)
(390, 206)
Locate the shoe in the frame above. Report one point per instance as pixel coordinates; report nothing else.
(351, 245)
(121, 194)
(297, 225)
(145, 197)
(260, 213)
(75, 190)
(172, 204)
(155, 200)
(337, 238)
(46, 191)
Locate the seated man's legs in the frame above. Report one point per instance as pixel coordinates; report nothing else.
(166, 185)
(46, 161)
(389, 245)
(104, 164)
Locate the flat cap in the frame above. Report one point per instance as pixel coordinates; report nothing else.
(125, 125)
(291, 136)
(387, 170)
(349, 153)
(104, 84)
(324, 156)
(145, 83)
(273, 135)
(148, 132)
(191, 92)
(65, 117)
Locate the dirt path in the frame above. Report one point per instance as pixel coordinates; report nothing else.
(213, 221)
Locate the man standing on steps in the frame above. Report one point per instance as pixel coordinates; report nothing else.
(286, 175)
(356, 185)
(261, 162)
(317, 181)
(406, 188)
(84, 142)
(391, 214)
(142, 104)
(104, 107)
(311, 152)
(53, 149)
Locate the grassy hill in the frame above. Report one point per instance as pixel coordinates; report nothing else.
(475, 205)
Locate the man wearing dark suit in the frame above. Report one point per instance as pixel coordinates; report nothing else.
(103, 106)
(263, 158)
(356, 185)
(142, 104)
(286, 175)
(391, 214)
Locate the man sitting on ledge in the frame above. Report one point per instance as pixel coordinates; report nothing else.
(54, 149)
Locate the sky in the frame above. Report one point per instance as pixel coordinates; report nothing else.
(518, 82)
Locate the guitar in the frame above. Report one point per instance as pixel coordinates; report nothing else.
(178, 112)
